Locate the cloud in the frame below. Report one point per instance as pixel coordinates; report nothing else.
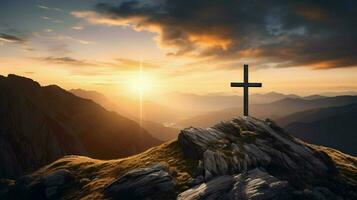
(131, 64)
(81, 41)
(118, 64)
(58, 37)
(43, 7)
(65, 61)
(14, 39)
(285, 33)
(48, 30)
(49, 8)
(11, 38)
(53, 20)
(78, 27)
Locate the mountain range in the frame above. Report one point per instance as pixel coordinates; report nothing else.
(274, 110)
(40, 124)
(198, 104)
(334, 127)
(308, 124)
(156, 129)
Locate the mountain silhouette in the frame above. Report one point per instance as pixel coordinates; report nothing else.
(198, 104)
(275, 110)
(333, 127)
(41, 124)
(155, 129)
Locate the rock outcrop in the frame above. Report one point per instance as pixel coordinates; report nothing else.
(251, 185)
(154, 181)
(246, 143)
(56, 182)
(250, 159)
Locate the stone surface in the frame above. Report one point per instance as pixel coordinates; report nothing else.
(217, 188)
(245, 143)
(252, 185)
(258, 185)
(144, 183)
(56, 182)
(58, 177)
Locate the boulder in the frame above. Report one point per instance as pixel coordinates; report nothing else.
(195, 181)
(216, 188)
(258, 185)
(151, 182)
(255, 184)
(215, 163)
(197, 140)
(56, 182)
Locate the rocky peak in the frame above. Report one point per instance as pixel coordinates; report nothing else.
(246, 143)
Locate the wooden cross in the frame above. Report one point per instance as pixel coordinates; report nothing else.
(245, 86)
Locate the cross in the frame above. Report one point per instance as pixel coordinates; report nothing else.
(245, 86)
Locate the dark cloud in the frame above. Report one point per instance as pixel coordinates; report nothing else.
(11, 38)
(320, 34)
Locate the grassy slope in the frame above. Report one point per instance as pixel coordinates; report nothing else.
(94, 175)
(345, 164)
(100, 173)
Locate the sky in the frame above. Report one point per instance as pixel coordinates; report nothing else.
(188, 46)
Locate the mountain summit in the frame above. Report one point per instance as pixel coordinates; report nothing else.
(244, 158)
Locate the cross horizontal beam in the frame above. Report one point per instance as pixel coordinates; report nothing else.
(246, 85)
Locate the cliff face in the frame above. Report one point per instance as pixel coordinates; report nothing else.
(41, 124)
(244, 158)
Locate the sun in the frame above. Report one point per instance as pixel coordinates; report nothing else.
(141, 84)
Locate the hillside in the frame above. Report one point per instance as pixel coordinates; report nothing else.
(275, 110)
(333, 127)
(244, 158)
(156, 129)
(41, 124)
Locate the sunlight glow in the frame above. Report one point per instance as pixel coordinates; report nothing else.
(141, 89)
(142, 84)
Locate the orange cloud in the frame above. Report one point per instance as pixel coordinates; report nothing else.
(206, 40)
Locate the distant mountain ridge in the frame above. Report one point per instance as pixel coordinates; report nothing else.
(334, 127)
(274, 110)
(212, 102)
(41, 124)
(156, 129)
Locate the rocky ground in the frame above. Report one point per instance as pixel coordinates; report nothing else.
(241, 159)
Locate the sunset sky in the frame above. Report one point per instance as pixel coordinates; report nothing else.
(193, 46)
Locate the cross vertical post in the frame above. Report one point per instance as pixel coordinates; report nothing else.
(245, 86)
(245, 90)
